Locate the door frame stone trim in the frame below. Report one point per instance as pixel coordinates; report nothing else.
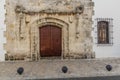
(34, 35)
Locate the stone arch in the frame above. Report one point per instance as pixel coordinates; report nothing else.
(34, 35)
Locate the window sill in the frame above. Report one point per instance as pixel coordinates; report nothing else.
(110, 44)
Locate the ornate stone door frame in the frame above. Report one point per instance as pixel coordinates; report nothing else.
(34, 35)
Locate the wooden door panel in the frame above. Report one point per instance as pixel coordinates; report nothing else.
(45, 42)
(50, 41)
(56, 40)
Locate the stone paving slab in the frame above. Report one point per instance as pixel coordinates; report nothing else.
(85, 78)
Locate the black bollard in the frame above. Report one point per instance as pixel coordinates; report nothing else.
(20, 70)
(64, 69)
(109, 67)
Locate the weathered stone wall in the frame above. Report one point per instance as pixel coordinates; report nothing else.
(52, 69)
(24, 17)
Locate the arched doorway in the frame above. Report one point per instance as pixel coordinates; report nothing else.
(50, 41)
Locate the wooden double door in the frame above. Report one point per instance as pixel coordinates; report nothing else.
(50, 41)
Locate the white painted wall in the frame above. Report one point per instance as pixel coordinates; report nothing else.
(103, 9)
(108, 9)
(2, 28)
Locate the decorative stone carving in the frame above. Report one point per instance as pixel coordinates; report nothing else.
(74, 17)
(49, 21)
(19, 9)
(52, 7)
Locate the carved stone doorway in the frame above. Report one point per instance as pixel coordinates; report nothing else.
(50, 41)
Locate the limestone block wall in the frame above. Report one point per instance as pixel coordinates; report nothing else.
(24, 17)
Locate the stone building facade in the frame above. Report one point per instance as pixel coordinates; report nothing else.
(28, 20)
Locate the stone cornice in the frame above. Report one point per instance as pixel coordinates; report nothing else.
(78, 9)
(50, 6)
